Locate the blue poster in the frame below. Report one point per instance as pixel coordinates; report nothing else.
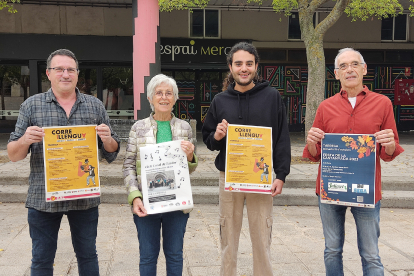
(348, 170)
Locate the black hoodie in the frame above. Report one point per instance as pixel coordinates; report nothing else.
(260, 106)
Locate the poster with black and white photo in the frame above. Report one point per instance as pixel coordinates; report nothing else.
(165, 178)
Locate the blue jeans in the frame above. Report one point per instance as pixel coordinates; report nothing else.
(44, 228)
(173, 230)
(368, 231)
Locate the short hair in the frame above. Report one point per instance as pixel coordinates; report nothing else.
(158, 80)
(343, 50)
(248, 47)
(62, 52)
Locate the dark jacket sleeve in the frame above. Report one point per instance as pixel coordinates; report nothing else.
(209, 128)
(281, 144)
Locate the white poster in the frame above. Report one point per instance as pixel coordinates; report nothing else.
(165, 178)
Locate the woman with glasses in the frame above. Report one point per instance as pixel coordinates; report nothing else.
(160, 126)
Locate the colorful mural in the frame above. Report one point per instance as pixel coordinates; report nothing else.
(292, 81)
(185, 107)
(195, 98)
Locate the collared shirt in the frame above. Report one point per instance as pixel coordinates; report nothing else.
(43, 110)
(373, 112)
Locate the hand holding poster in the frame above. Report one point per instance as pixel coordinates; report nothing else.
(165, 178)
(348, 170)
(71, 163)
(249, 160)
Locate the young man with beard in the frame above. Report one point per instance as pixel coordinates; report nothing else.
(357, 110)
(248, 100)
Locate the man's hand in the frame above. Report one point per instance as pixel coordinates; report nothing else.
(104, 132)
(221, 130)
(277, 187)
(138, 207)
(33, 134)
(315, 135)
(17, 150)
(386, 139)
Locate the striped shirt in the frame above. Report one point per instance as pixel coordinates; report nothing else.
(43, 110)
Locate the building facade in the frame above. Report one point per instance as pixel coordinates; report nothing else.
(191, 47)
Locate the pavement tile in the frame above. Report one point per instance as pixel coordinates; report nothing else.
(297, 243)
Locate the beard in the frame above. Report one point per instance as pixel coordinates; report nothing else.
(243, 84)
(237, 80)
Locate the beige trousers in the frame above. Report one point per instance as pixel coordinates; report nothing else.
(259, 212)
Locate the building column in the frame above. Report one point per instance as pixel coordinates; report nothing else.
(146, 52)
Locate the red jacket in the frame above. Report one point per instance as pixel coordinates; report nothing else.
(373, 112)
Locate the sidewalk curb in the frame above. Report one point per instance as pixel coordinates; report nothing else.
(210, 195)
(211, 179)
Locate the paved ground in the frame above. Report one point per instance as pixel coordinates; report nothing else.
(297, 243)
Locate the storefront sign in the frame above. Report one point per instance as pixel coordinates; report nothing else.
(189, 50)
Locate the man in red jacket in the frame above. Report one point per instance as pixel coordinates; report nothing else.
(354, 110)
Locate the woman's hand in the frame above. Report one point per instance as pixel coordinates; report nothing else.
(188, 148)
(138, 207)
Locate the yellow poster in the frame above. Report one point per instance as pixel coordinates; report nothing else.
(249, 159)
(71, 162)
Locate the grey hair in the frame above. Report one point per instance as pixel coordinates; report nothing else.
(62, 52)
(343, 50)
(157, 81)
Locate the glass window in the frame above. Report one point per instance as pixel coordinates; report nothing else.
(394, 28)
(204, 23)
(294, 26)
(212, 28)
(208, 76)
(118, 95)
(386, 28)
(14, 89)
(87, 82)
(184, 75)
(197, 23)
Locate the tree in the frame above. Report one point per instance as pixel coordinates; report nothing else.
(8, 5)
(169, 5)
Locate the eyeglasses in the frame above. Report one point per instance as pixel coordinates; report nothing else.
(167, 94)
(60, 70)
(345, 66)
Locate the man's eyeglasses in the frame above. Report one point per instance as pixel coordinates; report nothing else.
(167, 94)
(345, 66)
(60, 70)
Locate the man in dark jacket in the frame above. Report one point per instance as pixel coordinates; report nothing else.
(248, 100)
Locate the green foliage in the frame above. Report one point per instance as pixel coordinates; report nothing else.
(364, 9)
(8, 5)
(169, 5)
(285, 6)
